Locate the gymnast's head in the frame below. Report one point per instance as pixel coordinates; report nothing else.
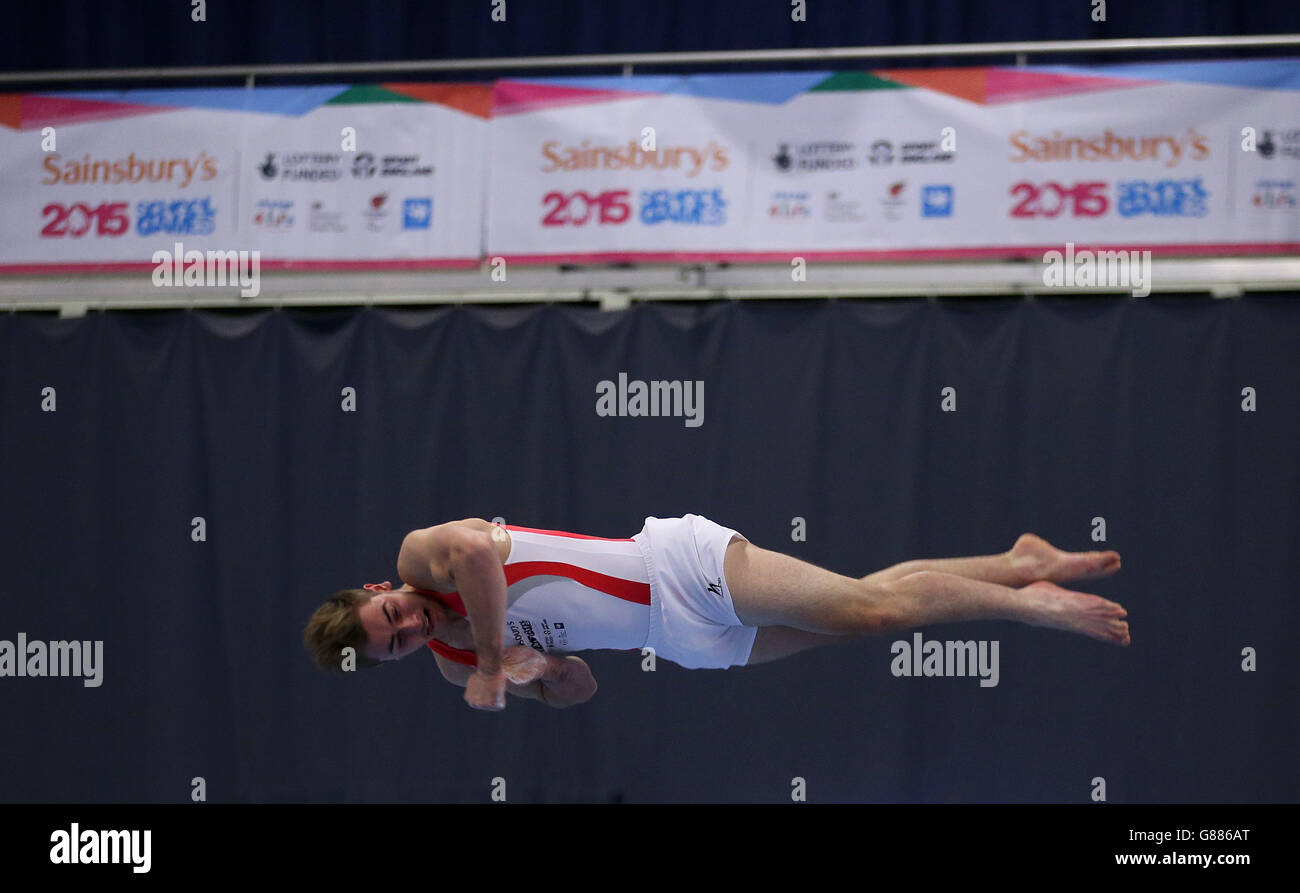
(379, 623)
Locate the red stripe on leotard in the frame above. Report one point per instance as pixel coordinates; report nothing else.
(576, 536)
(459, 655)
(628, 590)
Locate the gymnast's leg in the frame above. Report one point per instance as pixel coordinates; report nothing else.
(770, 589)
(1032, 558)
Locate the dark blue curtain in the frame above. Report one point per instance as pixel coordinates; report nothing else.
(93, 34)
(1067, 410)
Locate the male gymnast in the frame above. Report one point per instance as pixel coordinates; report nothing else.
(699, 594)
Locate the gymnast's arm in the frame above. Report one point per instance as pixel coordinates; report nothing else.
(560, 682)
(463, 552)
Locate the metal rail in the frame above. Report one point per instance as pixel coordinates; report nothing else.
(626, 61)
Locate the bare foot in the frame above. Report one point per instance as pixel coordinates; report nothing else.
(1037, 559)
(1076, 612)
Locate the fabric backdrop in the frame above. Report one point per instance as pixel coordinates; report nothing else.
(1066, 410)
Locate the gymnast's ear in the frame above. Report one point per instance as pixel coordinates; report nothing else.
(379, 587)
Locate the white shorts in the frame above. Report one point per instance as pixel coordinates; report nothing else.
(693, 622)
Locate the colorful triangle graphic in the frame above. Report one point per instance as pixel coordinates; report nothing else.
(37, 110)
(514, 97)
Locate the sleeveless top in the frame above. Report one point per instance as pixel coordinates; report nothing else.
(567, 592)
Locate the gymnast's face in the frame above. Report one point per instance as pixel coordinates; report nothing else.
(400, 621)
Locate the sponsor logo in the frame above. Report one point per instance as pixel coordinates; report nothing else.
(1170, 150)
(184, 217)
(936, 200)
(893, 200)
(882, 152)
(80, 219)
(816, 157)
(1162, 198)
(131, 169)
(275, 214)
(1053, 199)
(1274, 195)
(1286, 144)
(791, 207)
(526, 628)
(695, 207)
(302, 167)
(366, 165)
(374, 213)
(839, 209)
(925, 152)
(579, 208)
(689, 160)
(417, 213)
(716, 587)
(404, 166)
(321, 219)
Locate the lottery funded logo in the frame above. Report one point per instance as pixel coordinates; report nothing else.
(302, 167)
(816, 157)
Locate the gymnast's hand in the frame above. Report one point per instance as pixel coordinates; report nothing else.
(486, 692)
(523, 665)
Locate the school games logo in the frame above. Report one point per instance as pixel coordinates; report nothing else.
(694, 207)
(1162, 198)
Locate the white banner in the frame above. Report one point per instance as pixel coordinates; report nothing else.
(337, 184)
(923, 164)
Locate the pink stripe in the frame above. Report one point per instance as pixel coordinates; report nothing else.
(428, 263)
(576, 536)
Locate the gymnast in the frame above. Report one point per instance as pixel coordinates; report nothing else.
(697, 593)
